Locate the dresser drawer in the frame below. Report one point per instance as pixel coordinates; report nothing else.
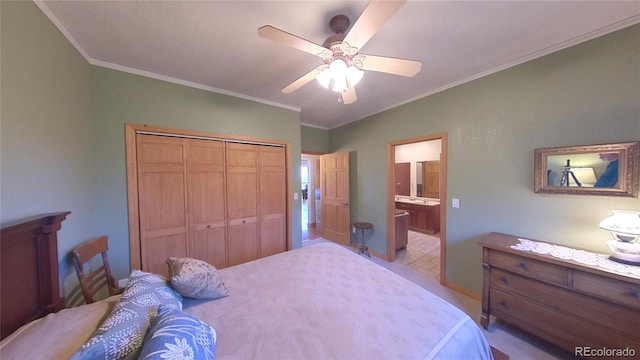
(538, 270)
(561, 301)
(560, 328)
(616, 317)
(612, 290)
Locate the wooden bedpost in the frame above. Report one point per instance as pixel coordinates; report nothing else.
(29, 277)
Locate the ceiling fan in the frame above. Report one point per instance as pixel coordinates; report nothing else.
(343, 65)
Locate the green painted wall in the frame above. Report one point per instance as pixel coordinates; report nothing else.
(314, 139)
(63, 142)
(586, 94)
(120, 98)
(47, 152)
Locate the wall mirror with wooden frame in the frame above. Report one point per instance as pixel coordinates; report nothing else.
(606, 169)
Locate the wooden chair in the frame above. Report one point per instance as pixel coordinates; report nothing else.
(98, 278)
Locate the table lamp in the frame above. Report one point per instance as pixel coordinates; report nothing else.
(624, 226)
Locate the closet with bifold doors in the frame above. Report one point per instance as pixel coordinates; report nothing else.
(219, 200)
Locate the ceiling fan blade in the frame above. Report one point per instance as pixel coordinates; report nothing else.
(390, 65)
(283, 37)
(370, 21)
(349, 96)
(303, 80)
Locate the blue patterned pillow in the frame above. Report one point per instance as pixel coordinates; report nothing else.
(122, 333)
(178, 335)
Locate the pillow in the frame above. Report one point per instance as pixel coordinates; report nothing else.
(178, 335)
(196, 279)
(122, 333)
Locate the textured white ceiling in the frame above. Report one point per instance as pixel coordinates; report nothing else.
(215, 45)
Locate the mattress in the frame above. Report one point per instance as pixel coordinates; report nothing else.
(318, 302)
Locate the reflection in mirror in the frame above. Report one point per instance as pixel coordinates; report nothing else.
(610, 169)
(428, 179)
(417, 169)
(583, 170)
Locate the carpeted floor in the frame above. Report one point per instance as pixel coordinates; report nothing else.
(509, 341)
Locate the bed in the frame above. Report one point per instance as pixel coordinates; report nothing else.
(318, 302)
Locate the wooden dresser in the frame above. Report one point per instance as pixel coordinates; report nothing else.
(569, 304)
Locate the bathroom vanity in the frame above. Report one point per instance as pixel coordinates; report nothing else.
(424, 214)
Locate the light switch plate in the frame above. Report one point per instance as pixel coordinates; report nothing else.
(455, 203)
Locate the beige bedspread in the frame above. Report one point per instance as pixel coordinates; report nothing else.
(56, 336)
(318, 302)
(326, 302)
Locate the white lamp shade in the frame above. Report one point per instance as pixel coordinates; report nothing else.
(585, 175)
(624, 225)
(355, 75)
(339, 76)
(324, 78)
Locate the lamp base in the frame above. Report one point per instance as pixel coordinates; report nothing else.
(627, 262)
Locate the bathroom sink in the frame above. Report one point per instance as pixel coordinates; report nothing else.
(422, 201)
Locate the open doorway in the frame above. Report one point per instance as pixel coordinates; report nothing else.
(310, 193)
(417, 192)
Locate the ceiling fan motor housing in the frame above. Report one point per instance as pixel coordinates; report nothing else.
(339, 25)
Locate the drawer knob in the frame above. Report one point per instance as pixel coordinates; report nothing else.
(504, 280)
(633, 294)
(523, 266)
(503, 304)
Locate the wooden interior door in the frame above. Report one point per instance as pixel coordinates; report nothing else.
(431, 179)
(272, 205)
(334, 184)
(402, 177)
(162, 194)
(206, 201)
(242, 198)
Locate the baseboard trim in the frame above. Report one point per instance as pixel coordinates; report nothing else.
(463, 290)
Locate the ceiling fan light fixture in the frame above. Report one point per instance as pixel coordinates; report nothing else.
(339, 76)
(354, 75)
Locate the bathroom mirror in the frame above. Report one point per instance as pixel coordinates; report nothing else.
(428, 179)
(607, 169)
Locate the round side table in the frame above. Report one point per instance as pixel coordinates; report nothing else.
(364, 249)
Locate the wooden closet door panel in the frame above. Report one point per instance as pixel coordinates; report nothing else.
(242, 181)
(272, 200)
(206, 189)
(155, 252)
(242, 244)
(242, 198)
(162, 199)
(272, 236)
(209, 245)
